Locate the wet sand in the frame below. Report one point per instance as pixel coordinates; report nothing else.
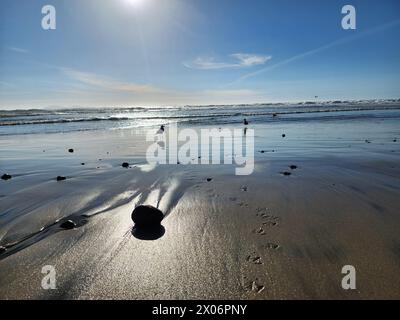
(263, 236)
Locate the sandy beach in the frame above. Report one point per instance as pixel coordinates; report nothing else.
(228, 151)
(262, 236)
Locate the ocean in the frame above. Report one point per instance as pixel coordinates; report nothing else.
(32, 121)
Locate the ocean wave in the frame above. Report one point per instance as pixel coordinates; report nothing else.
(232, 113)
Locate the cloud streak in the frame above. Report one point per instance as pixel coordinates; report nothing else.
(238, 60)
(108, 83)
(18, 50)
(104, 89)
(318, 50)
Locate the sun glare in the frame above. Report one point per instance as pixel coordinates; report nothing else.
(135, 3)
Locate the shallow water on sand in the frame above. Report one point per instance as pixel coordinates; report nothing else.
(346, 174)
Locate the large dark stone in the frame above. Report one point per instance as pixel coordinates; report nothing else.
(147, 216)
(6, 177)
(71, 150)
(59, 178)
(68, 225)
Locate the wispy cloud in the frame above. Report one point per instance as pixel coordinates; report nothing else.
(5, 84)
(18, 50)
(318, 50)
(237, 60)
(107, 83)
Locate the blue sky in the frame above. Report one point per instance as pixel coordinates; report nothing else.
(178, 52)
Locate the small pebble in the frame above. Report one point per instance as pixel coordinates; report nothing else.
(125, 165)
(60, 178)
(6, 177)
(286, 173)
(293, 167)
(209, 179)
(71, 150)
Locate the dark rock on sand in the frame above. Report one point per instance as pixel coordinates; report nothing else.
(71, 150)
(284, 135)
(82, 164)
(286, 173)
(60, 178)
(394, 140)
(209, 179)
(6, 177)
(293, 167)
(68, 225)
(125, 165)
(146, 216)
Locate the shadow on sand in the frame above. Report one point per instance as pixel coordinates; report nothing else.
(148, 233)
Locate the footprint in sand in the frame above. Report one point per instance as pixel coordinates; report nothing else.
(260, 231)
(254, 258)
(255, 286)
(269, 220)
(243, 204)
(271, 246)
